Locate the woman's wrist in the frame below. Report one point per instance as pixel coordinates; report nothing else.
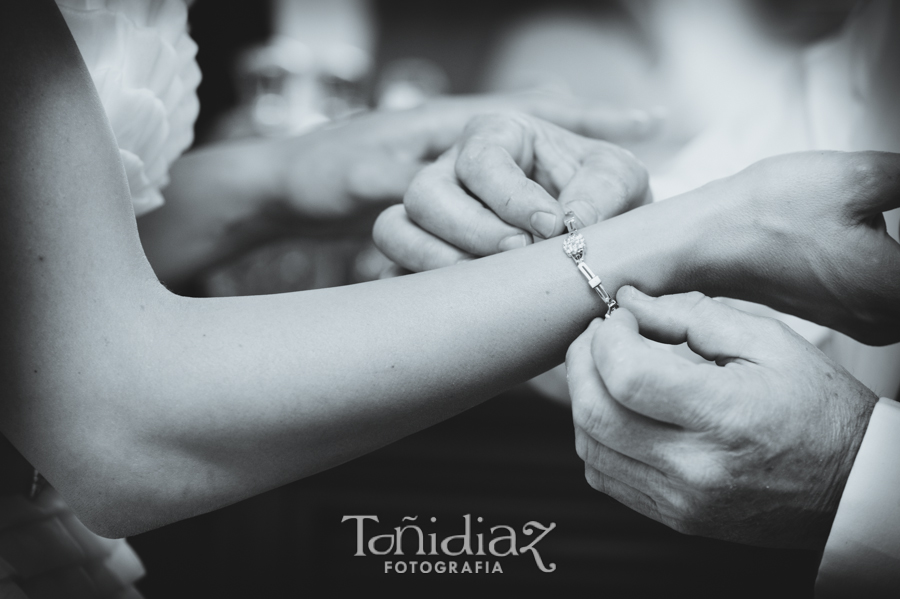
(711, 249)
(662, 248)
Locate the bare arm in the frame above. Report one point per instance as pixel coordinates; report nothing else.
(226, 197)
(142, 407)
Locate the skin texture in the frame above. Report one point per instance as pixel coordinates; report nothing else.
(225, 198)
(802, 233)
(510, 179)
(142, 407)
(754, 446)
(758, 448)
(807, 237)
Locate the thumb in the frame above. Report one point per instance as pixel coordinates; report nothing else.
(713, 330)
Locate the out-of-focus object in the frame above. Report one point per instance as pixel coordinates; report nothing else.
(276, 83)
(289, 88)
(409, 82)
(313, 70)
(141, 59)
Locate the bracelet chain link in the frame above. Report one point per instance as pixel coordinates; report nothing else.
(575, 248)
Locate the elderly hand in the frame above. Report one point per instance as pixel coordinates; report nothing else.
(510, 178)
(372, 158)
(804, 234)
(755, 448)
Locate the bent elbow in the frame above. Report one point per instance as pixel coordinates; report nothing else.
(119, 505)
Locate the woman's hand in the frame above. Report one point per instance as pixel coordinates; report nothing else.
(509, 179)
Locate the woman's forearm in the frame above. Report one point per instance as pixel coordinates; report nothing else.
(143, 407)
(219, 399)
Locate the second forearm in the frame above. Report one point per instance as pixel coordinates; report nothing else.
(215, 207)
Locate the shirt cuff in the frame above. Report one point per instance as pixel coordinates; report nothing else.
(862, 555)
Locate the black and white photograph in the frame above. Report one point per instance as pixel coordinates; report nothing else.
(449, 298)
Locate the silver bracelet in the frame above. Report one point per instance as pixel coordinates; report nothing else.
(575, 249)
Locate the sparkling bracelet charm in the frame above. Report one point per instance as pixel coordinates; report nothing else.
(574, 247)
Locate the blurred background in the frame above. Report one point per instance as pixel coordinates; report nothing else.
(283, 67)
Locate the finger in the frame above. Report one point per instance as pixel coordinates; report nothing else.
(606, 421)
(594, 120)
(408, 245)
(628, 496)
(871, 180)
(381, 178)
(495, 154)
(650, 380)
(625, 469)
(438, 204)
(711, 329)
(611, 181)
(577, 115)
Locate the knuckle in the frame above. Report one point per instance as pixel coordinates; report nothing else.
(584, 413)
(626, 382)
(518, 192)
(864, 172)
(416, 196)
(470, 160)
(689, 514)
(431, 257)
(708, 482)
(581, 345)
(701, 308)
(695, 299)
(582, 443)
(595, 481)
(386, 224)
(767, 329)
(474, 237)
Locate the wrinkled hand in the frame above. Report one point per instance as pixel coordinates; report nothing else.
(755, 448)
(372, 158)
(509, 179)
(804, 234)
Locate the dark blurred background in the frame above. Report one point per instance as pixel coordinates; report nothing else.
(279, 68)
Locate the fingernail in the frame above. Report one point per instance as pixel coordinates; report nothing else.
(544, 223)
(463, 260)
(513, 242)
(585, 212)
